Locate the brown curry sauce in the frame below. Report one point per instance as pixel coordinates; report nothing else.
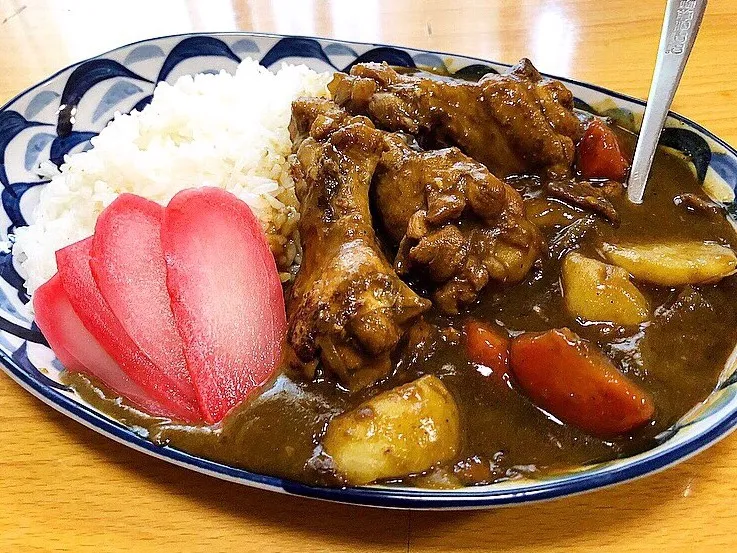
(677, 357)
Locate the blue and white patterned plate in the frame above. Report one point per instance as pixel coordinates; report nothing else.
(61, 114)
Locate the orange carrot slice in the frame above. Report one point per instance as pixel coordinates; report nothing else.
(489, 347)
(561, 373)
(599, 155)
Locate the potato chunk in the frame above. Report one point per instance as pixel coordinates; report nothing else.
(406, 430)
(674, 263)
(599, 292)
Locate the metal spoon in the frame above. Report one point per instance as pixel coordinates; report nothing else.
(680, 26)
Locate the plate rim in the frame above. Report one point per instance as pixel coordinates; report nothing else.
(598, 88)
(386, 497)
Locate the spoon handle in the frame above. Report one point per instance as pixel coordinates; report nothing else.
(680, 26)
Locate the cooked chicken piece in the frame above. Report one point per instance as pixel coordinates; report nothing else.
(453, 221)
(519, 122)
(347, 305)
(590, 195)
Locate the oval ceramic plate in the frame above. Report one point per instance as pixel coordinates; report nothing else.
(61, 114)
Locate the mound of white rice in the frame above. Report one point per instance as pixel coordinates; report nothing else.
(223, 130)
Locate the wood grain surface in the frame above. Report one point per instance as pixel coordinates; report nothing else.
(66, 488)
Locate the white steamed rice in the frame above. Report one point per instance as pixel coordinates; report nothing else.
(223, 130)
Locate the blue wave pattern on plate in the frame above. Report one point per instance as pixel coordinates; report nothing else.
(431, 61)
(62, 145)
(11, 196)
(143, 53)
(691, 144)
(192, 48)
(295, 47)
(245, 46)
(10, 275)
(336, 49)
(474, 71)
(12, 124)
(82, 79)
(114, 96)
(160, 57)
(36, 145)
(39, 102)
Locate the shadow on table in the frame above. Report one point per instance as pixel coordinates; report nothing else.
(550, 524)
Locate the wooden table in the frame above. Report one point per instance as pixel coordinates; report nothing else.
(64, 487)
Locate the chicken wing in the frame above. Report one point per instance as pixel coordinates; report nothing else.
(519, 122)
(347, 304)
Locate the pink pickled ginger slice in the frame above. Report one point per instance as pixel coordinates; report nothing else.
(78, 350)
(87, 301)
(225, 294)
(128, 267)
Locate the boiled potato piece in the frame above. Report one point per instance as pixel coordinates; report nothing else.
(406, 430)
(599, 292)
(674, 263)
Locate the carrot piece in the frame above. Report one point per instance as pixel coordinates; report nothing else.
(489, 347)
(561, 373)
(599, 155)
